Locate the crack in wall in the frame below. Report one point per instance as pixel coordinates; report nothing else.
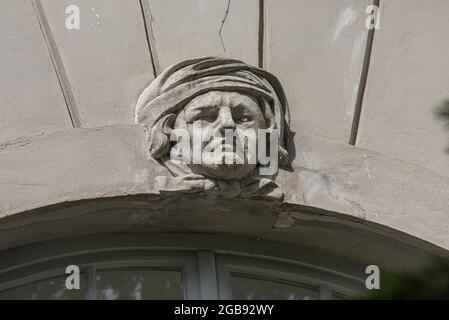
(20, 142)
(222, 25)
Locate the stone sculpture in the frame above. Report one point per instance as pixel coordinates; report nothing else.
(215, 94)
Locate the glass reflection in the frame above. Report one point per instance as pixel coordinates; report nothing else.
(248, 287)
(139, 284)
(339, 296)
(48, 289)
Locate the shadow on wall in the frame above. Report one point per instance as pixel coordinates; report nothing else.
(443, 113)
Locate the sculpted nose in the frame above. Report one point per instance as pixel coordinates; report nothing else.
(225, 119)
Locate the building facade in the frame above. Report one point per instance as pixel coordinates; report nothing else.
(352, 87)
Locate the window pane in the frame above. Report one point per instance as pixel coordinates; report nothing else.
(339, 296)
(48, 289)
(139, 284)
(247, 287)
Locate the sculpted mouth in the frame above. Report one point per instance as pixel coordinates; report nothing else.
(219, 152)
(222, 145)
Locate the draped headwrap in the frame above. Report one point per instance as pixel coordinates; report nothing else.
(177, 85)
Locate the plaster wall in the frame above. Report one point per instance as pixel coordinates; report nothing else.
(67, 98)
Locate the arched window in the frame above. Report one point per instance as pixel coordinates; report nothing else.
(133, 266)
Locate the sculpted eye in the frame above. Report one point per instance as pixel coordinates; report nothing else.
(202, 114)
(241, 115)
(209, 116)
(242, 118)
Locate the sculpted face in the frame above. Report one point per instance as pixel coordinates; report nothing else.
(217, 111)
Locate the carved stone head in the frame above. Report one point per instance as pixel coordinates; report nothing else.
(216, 95)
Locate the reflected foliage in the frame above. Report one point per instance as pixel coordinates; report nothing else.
(247, 287)
(431, 282)
(139, 284)
(47, 289)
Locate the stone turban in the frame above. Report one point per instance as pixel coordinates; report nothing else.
(180, 83)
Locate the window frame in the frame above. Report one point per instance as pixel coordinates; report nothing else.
(205, 259)
(326, 281)
(89, 263)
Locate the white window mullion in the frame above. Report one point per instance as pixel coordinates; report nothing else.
(325, 292)
(91, 283)
(208, 275)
